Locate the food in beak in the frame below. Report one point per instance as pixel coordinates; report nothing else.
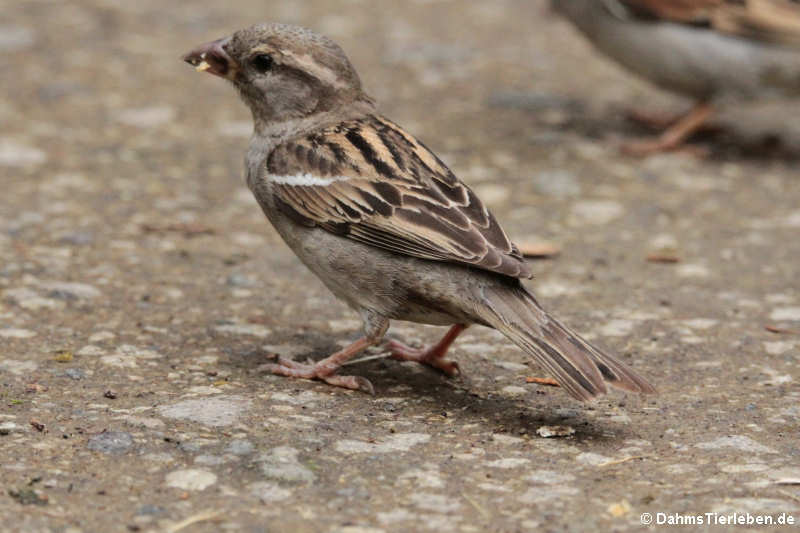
(212, 58)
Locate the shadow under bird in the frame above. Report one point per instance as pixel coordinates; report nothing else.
(385, 225)
(713, 51)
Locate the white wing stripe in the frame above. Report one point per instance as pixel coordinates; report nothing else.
(305, 180)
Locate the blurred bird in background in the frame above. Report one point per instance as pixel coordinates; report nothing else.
(713, 51)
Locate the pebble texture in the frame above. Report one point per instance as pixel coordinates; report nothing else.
(140, 288)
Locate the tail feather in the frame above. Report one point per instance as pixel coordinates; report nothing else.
(580, 368)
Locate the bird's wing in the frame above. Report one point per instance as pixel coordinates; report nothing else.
(773, 21)
(370, 181)
(686, 11)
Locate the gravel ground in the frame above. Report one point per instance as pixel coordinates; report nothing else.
(140, 287)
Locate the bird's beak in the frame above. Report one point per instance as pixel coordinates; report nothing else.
(212, 58)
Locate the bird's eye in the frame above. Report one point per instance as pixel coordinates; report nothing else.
(262, 62)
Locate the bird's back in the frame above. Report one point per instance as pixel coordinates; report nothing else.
(692, 59)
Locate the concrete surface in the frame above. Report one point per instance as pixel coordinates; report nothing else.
(141, 287)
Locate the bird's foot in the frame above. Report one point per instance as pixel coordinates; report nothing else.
(645, 147)
(652, 119)
(675, 136)
(433, 356)
(293, 369)
(324, 370)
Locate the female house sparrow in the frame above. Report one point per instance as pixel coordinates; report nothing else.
(379, 218)
(709, 50)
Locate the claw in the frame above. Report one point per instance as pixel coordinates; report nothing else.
(429, 357)
(351, 382)
(450, 368)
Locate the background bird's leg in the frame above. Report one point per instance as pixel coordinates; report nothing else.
(433, 356)
(375, 327)
(654, 120)
(675, 135)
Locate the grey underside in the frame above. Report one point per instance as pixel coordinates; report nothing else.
(693, 61)
(378, 282)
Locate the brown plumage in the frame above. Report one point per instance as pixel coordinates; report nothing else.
(390, 191)
(709, 50)
(690, 11)
(380, 219)
(773, 21)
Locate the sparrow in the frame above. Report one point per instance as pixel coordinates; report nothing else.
(713, 51)
(381, 220)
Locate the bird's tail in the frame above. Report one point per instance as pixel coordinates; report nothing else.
(580, 368)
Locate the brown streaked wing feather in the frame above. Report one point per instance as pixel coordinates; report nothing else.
(775, 21)
(395, 195)
(688, 11)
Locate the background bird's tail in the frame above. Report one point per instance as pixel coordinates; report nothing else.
(580, 368)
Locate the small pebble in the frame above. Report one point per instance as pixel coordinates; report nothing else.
(15, 38)
(191, 479)
(282, 464)
(508, 462)
(399, 442)
(240, 447)
(111, 442)
(75, 373)
(785, 313)
(215, 411)
(617, 328)
(269, 492)
(17, 367)
(240, 280)
(555, 431)
(559, 183)
(16, 333)
(253, 330)
(149, 509)
(6, 428)
(619, 509)
(70, 291)
(77, 238)
(593, 459)
(13, 154)
(739, 442)
(63, 356)
(596, 212)
(514, 391)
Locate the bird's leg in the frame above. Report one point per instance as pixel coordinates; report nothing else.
(675, 135)
(655, 120)
(325, 369)
(432, 356)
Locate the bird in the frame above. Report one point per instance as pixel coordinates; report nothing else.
(382, 221)
(712, 51)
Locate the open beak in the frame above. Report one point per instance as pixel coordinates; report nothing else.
(212, 58)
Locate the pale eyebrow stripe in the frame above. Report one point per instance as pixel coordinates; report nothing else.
(307, 63)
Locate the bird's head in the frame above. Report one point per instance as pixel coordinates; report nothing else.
(282, 72)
